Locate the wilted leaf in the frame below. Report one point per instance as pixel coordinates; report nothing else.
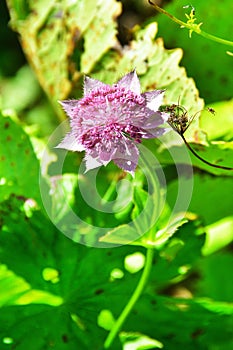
(53, 35)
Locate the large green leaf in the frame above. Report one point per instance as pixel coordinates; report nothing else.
(215, 275)
(80, 281)
(178, 257)
(208, 192)
(183, 324)
(45, 267)
(19, 169)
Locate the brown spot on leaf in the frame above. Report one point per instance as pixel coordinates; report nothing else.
(153, 86)
(2, 158)
(210, 73)
(197, 333)
(65, 338)
(99, 291)
(6, 125)
(170, 336)
(21, 198)
(27, 151)
(224, 80)
(12, 164)
(9, 138)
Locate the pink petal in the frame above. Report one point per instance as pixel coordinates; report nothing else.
(127, 165)
(154, 99)
(153, 133)
(106, 156)
(91, 84)
(131, 82)
(69, 106)
(70, 143)
(155, 120)
(126, 156)
(92, 163)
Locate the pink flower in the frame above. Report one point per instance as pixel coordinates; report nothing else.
(109, 121)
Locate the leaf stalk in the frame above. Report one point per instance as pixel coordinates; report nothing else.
(132, 301)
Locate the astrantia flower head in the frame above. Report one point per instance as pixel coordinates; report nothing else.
(110, 121)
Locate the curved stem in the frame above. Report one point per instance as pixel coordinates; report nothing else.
(202, 159)
(135, 296)
(194, 28)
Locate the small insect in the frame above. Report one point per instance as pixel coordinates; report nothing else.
(211, 110)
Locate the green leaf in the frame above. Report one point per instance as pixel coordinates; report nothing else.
(179, 255)
(35, 253)
(183, 323)
(214, 270)
(208, 192)
(16, 291)
(123, 234)
(19, 169)
(219, 153)
(219, 125)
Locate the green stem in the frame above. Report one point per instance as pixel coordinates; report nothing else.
(194, 28)
(202, 159)
(108, 194)
(132, 301)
